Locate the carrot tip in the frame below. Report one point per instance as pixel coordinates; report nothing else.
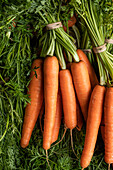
(23, 145)
(108, 166)
(47, 159)
(72, 143)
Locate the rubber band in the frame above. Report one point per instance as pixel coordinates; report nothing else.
(53, 26)
(99, 49)
(87, 50)
(110, 41)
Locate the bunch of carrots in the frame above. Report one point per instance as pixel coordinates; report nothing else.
(74, 91)
(64, 85)
(53, 88)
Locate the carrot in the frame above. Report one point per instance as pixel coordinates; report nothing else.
(93, 122)
(82, 85)
(71, 22)
(57, 118)
(78, 109)
(36, 94)
(68, 99)
(108, 118)
(51, 70)
(92, 75)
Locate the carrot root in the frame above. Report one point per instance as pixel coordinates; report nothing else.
(82, 85)
(93, 123)
(36, 95)
(51, 72)
(108, 119)
(68, 98)
(72, 143)
(61, 138)
(108, 166)
(47, 159)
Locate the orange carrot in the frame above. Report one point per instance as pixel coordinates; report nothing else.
(68, 99)
(78, 109)
(57, 118)
(71, 22)
(51, 70)
(82, 85)
(93, 122)
(108, 118)
(92, 75)
(36, 94)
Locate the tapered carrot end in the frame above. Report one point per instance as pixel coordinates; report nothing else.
(24, 143)
(25, 138)
(82, 168)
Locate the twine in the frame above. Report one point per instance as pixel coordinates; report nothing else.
(87, 50)
(110, 41)
(53, 26)
(102, 48)
(99, 49)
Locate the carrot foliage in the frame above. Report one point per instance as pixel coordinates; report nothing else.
(95, 15)
(18, 48)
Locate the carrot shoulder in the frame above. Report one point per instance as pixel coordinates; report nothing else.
(93, 122)
(108, 119)
(51, 71)
(32, 109)
(92, 74)
(82, 85)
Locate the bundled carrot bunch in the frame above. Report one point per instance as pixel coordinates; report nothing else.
(63, 83)
(74, 87)
(55, 89)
